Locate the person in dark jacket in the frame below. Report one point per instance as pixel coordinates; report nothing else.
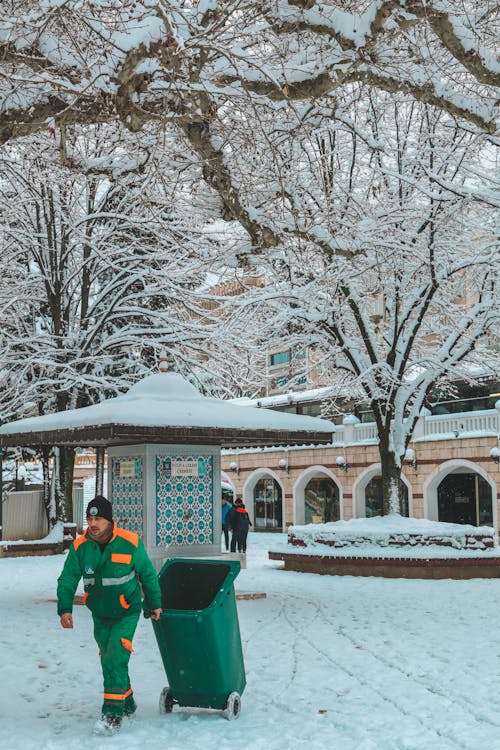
(114, 565)
(240, 524)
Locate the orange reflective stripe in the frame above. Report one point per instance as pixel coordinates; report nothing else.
(85, 597)
(114, 697)
(134, 538)
(127, 644)
(130, 536)
(124, 602)
(129, 692)
(115, 557)
(80, 540)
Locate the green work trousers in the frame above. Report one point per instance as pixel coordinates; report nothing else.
(114, 638)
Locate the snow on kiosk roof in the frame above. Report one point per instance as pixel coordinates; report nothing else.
(165, 408)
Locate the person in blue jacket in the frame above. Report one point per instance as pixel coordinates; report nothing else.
(226, 507)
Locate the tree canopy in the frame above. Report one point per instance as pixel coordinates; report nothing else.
(343, 153)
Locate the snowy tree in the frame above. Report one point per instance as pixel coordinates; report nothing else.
(284, 108)
(188, 63)
(101, 260)
(391, 270)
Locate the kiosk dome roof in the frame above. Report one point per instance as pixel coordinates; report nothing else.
(165, 408)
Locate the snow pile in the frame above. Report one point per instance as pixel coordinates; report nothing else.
(392, 536)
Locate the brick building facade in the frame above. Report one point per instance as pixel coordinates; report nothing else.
(451, 473)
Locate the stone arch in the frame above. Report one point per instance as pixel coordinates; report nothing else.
(361, 483)
(431, 484)
(301, 484)
(249, 487)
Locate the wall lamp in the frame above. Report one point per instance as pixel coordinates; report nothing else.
(410, 458)
(342, 463)
(495, 455)
(283, 464)
(234, 467)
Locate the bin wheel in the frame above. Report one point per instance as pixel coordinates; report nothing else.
(233, 706)
(167, 701)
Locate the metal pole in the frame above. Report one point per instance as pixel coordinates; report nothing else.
(99, 470)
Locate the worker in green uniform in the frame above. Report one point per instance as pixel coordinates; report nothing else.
(114, 565)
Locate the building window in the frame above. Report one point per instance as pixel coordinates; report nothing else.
(321, 501)
(279, 358)
(311, 409)
(465, 498)
(466, 397)
(268, 505)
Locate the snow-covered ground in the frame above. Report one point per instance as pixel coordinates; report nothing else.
(335, 663)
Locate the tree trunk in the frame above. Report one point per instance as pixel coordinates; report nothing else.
(61, 489)
(66, 471)
(391, 478)
(50, 510)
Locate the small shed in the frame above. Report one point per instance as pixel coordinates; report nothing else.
(164, 440)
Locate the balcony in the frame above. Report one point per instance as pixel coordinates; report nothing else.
(436, 427)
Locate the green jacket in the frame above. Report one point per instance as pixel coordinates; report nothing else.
(111, 578)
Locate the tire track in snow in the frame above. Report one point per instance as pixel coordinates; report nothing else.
(453, 700)
(274, 622)
(365, 683)
(267, 692)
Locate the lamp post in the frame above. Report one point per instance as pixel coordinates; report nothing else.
(342, 463)
(283, 464)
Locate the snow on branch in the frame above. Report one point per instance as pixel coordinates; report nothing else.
(86, 62)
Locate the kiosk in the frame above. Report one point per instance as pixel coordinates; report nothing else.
(164, 440)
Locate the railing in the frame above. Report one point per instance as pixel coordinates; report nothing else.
(339, 435)
(366, 431)
(439, 426)
(467, 422)
(355, 433)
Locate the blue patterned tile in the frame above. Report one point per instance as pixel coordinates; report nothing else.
(184, 502)
(128, 493)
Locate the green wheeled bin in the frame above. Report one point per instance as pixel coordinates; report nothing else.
(198, 636)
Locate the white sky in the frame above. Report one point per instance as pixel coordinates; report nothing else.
(331, 662)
